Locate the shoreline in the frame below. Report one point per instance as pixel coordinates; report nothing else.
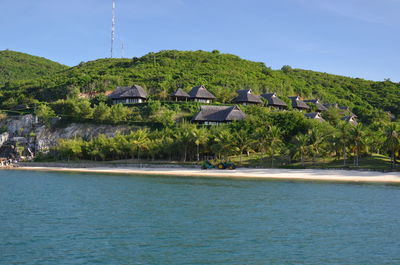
(330, 175)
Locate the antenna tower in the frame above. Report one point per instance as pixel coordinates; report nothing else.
(112, 27)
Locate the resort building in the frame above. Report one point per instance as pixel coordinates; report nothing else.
(129, 95)
(347, 109)
(297, 103)
(201, 94)
(179, 95)
(320, 107)
(274, 101)
(246, 97)
(213, 115)
(350, 119)
(315, 116)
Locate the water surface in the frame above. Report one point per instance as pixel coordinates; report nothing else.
(74, 218)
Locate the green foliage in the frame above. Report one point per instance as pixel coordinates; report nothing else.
(45, 113)
(19, 66)
(163, 72)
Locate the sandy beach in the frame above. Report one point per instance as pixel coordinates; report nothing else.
(272, 174)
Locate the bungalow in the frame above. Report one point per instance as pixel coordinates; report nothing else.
(128, 95)
(314, 115)
(347, 109)
(350, 119)
(331, 105)
(298, 104)
(179, 95)
(274, 101)
(212, 115)
(201, 94)
(246, 97)
(318, 104)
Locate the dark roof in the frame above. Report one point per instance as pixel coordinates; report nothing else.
(180, 93)
(330, 105)
(200, 92)
(317, 103)
(298, 104)
(246, 95)
(219, 113)
(273, 100)
(347, 109)
(314, 115)
(134, 91)
(350, 119)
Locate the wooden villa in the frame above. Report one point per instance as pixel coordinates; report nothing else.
(179, 95)
(297, 103)
(201, 94)
(350, 119)
(315, 116)
(129, 95)
(274, 101)
(320, 107)
(213, 115)
(347, 109)
(246, 97)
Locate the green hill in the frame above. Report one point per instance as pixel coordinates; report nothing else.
(20, 66)
(163, 72)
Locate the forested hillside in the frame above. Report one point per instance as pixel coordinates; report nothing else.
(163, 72)
(20, 66)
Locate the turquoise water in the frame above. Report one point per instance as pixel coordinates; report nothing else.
(66, 218)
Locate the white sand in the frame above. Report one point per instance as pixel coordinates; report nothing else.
(273, 174)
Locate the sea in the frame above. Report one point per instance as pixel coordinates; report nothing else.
(82, 218)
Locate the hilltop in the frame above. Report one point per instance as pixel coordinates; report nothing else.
(20, 66)
(165, 71)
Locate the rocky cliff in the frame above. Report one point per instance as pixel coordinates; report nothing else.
(26, 135)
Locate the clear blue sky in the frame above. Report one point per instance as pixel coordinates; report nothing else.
(358, 38)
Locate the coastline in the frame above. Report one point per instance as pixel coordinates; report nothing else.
(349, 176)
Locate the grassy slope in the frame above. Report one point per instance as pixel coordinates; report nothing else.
(223, 74)
(19, 66)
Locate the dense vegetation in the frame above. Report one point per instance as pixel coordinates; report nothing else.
(78, 94)
(20, 66)
(272, 138)
(163, 72)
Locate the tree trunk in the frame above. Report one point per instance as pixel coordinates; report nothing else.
(184, 154)
(198, 153)
(344, 155)
(302, 158)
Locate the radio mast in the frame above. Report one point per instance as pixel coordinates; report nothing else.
(112, 27)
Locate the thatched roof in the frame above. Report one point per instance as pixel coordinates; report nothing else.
(200, 92)
(348, 110)
(330, 105)
(350, 119)
(180, 93)
(317, 103)
(273, 100)
(134, 91)
(314, 115)
(246, 95)
(219, 114)
(297, 103)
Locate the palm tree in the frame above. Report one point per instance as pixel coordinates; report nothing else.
(139, 140)
(392, 142)
(344, 135)
(185, 137)
(244, 142)
(316, 139)
(201, 137)
(274, 138)
(300, 142)
(356, 137)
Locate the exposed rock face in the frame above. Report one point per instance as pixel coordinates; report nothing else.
(27, 132)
